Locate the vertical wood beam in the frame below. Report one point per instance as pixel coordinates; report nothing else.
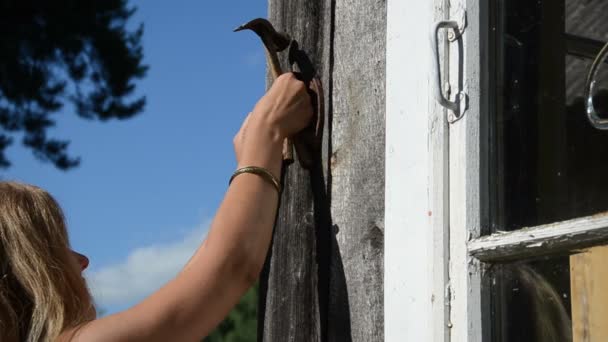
(294, 284)
(324, 276)
(357, 169)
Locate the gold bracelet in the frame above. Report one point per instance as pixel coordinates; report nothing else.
(260, 171)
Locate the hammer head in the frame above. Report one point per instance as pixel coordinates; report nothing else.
(273, 40)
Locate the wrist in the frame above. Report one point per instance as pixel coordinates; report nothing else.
(262, 173)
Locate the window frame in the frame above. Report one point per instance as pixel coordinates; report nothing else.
(437, 217)
(416, 225)
(468, 175)
(471, 251)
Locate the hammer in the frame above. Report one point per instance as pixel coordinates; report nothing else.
(274, 42)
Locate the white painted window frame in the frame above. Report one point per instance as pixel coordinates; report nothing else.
(437, 184)
(433, 202)
(467, 189)
(470, 253)
(415, 247)
(432, 292)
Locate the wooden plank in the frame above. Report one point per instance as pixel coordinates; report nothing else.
(324, 278)
(554, 238)
(589, 280)
(357, 171)
(294, 283)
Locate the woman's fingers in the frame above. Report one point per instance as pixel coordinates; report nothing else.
(286, 106)
(283, 111)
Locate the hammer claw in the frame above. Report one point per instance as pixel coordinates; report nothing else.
(273, 40)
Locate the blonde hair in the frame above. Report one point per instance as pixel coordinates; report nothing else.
(41, 291)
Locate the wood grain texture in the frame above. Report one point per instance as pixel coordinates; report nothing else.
(323, 280)
(294, 283)
(554, 238)
(589, 280)
(357, 165)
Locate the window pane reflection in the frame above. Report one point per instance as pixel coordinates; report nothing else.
(548, 163)
(552, 299)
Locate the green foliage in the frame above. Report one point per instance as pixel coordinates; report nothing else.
(241, 323)
(64, 51)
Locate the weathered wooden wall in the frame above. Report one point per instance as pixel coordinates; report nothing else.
(324, 276)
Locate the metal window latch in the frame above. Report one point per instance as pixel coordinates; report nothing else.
(456, 29)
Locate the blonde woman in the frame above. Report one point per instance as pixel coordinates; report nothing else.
(43, 296)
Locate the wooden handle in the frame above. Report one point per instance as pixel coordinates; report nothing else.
(287, 150)
(275, 70)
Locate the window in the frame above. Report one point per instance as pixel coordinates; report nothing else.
(528, 187)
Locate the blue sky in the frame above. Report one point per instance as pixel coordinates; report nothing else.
(146, 189)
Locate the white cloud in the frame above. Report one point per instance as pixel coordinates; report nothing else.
(145, 270)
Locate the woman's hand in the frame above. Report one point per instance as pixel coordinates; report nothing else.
(284, 111)
(286, 107)
(231, 258)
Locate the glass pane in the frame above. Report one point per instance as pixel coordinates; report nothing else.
(551, 300)
(547, 162)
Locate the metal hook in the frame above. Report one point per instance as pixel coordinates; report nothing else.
(460, 104)
(595, 120)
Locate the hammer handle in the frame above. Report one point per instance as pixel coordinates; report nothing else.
(275, 69)
(275, 66)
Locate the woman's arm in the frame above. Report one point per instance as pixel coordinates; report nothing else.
(230, 259)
